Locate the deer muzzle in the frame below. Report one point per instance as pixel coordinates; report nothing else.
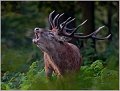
(35, 41)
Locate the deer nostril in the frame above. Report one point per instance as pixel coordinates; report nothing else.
(36, 29)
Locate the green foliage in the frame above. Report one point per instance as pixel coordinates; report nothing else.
(17, 25)
(11, 80)
(94, 76)
(92, 70)
(14, 60)
(32, 75)
(23, 64)
(88, 53)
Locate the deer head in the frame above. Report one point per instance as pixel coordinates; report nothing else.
(49, 39)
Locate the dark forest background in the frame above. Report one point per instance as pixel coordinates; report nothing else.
(22, 63)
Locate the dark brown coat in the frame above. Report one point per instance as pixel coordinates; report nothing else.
(63, 60)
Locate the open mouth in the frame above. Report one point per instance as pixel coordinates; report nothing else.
(36, 35)
(35, 38)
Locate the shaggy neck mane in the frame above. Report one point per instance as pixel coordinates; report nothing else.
(60, 50)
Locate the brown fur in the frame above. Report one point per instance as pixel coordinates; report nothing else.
(60, 57)
(67, 59)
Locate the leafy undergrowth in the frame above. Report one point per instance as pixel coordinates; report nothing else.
(94, 76)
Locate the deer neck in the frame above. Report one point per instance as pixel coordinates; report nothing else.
(54, 53)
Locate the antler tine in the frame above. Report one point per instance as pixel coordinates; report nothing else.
(93, 35)
(78, 33)
(65, 28)
(65, 23)
(70, 21)
(78, 27)
(50, 18)
(98, 29)
(74, 29)
(62, 31)
(58, 20)
(107, 37)
(55, 19)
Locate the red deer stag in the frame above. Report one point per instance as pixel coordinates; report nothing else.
(60, 56)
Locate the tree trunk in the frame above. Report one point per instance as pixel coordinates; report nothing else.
(109, 17)
(88, 13)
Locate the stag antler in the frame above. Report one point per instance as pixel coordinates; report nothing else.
(63, 27)
(93, 35)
